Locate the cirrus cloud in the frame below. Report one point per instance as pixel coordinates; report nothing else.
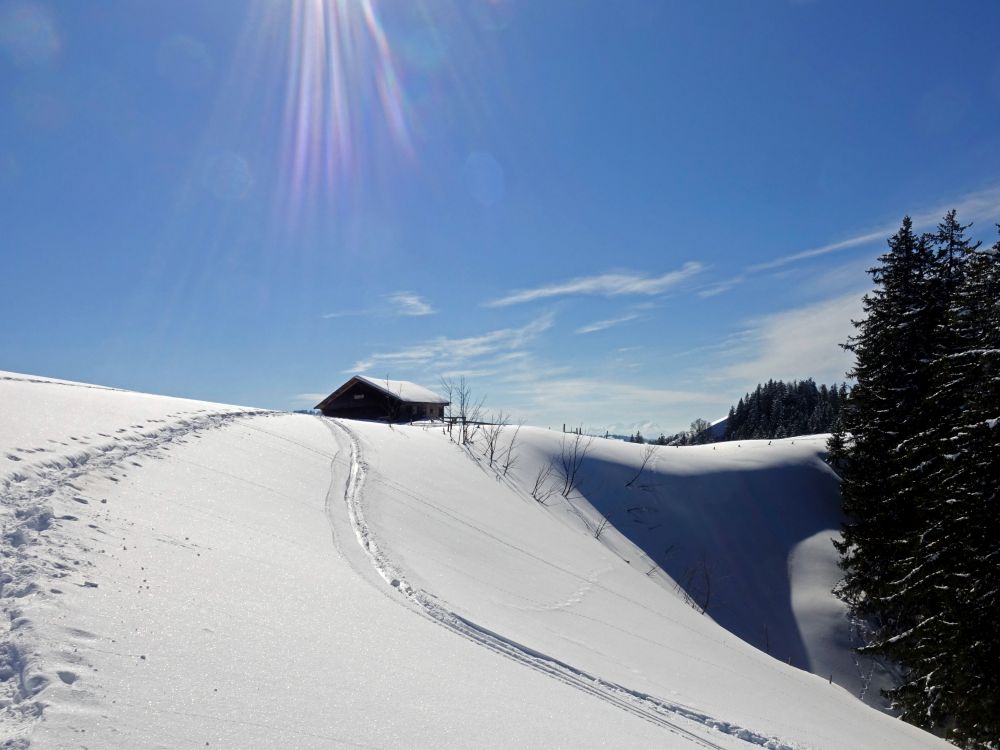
(603, 325)
(605, 284)
(794, 344)
(446, 352)
(402, 304)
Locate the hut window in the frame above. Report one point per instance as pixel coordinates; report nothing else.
(358, 395)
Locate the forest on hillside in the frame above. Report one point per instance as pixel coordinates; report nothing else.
(778, 409)
(775, 409)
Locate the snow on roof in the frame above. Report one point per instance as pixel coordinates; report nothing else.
(404, 390)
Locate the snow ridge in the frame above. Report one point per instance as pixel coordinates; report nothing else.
(666, 714)
(29, 493)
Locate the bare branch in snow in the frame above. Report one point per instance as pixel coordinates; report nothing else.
(509, 456)
(542, 490)
(572, 452)
(647, 454)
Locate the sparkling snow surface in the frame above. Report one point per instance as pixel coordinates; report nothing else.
(182, 574)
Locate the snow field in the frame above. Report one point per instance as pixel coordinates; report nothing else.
(211, 600)
(224, 577)
(478, 546)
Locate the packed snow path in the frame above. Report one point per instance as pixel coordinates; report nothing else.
(673, 717)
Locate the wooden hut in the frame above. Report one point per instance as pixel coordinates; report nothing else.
(362, 397)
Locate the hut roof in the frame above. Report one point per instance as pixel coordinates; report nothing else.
(404, 390)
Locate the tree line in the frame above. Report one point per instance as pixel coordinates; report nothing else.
(918, 450)
(775, 409)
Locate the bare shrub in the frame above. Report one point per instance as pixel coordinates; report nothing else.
(698, 585)
(464, 410)
(572, 452)
(647, 454)
(542, 490)
(600, 528)
(491, 437)
(509, 456)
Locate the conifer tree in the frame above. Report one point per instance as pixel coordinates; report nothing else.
(951, 654)
(918, 453)
(914, 594)
(883, 412)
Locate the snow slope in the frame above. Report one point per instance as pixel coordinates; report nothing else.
(745, 528)
(182, 574)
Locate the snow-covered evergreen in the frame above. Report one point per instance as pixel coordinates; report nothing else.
(920, 478)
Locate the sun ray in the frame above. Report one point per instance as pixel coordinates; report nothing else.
(344, 90)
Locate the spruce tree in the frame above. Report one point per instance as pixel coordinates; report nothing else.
(918, 452)
(922, 590)
(883, 412)
(952, 658)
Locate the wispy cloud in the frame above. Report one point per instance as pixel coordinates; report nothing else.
(603, 403)
(445, 352)
(721, 286)
(606, 284)
(848, 275)
(602, 325)
(733, 342)
(856, 241)
(612, 390)
(794, 344)
(979, 206)
(410, 304)
(406, 304)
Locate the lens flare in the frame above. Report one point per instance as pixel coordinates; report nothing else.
(343, 92)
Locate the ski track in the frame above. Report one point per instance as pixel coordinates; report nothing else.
(27, 510)
(655, 710)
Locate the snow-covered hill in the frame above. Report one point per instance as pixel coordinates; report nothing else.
(744, 527)
(184, 574)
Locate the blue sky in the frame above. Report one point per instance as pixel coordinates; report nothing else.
(608, 214)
